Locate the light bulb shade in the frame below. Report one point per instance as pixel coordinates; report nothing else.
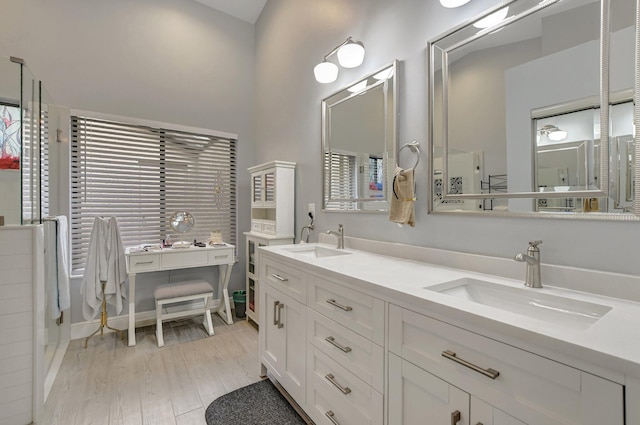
(326, 72)
(453, 3)
(351, 54)
(493, 19)
(557, 135)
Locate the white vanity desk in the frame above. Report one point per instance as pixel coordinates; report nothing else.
(180, 258)
(353, 311)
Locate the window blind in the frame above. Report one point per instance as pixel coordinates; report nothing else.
(34, 166)
(340, 180)
(141, 175)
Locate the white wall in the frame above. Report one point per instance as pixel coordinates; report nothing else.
(175, 61)
(293, 35)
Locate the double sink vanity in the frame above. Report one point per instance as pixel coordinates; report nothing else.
(441, 337)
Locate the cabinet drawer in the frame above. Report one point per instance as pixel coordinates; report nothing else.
(362, 357)
(269, 228)
(534, 389)
(256, 226)
(143, 263)
(285, 278)
(357, 311)
(332, 388)
(221, 256)
(189, 258)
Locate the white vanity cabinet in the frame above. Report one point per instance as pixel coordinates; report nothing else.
(345, 366)
(282, 340)
(533, 389)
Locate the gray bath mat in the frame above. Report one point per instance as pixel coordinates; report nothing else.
(257, 404)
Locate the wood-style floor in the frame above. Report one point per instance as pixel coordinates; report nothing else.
(109, 383)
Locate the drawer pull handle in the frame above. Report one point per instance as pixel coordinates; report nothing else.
(280, 278)
(222, 256)
(143, 262)
(340, 306)
(331, 417)
(332, 379)
(455, 417)
(280, 324)
(331, 340)
(491, 373)
(275, 313)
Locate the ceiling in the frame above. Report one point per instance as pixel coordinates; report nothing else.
(246, 10)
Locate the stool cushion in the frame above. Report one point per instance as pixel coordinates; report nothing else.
(182, 289)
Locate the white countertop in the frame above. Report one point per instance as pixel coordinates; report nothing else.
(611, 345)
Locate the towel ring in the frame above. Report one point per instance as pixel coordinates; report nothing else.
(415, 148)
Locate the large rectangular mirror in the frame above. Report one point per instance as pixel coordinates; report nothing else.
(359, 138)
(521, 98)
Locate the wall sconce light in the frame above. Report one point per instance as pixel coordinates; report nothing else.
(350, 55)
(453, 3)
(553, 133)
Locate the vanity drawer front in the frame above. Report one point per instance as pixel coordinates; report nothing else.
(143, 263)
(361, 356)
(534, 389)
(285, 278)
(188, 258)
(221, 256)
(357, 311)
(350, 399)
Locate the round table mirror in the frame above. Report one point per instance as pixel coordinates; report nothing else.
(182, 222)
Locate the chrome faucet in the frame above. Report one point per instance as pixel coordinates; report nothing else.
(339, 234)
(532, 258)
(309, 228)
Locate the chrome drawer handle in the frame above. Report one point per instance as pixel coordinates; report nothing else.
(280, 278)
(491, 373)
(331, 417)
(143, 262)
(280, 324)
(340, 306)
(455, 417)
(275, 313)
(331, 340)
(331, 378)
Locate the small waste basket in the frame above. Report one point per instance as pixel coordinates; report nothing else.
(240, 301)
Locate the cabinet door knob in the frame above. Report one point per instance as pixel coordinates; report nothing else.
(455, 417)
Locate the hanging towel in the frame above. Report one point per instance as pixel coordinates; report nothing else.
(56, 266)
(105, 263)
(401, 209)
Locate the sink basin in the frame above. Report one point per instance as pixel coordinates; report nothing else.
(317, 251)
(534, 303)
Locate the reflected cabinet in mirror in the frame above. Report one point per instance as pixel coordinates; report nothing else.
(358, 143)
(532, 111)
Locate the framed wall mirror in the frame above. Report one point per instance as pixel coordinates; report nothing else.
(359, 138)
(522, 98)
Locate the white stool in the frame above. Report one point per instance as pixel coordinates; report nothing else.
(178, 292)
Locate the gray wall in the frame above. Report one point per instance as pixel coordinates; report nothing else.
(293, 35)
(174, 61)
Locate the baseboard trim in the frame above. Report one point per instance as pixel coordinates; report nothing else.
(81, 330)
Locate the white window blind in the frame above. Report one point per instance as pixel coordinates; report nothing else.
(340, 180)
(35, 166)
(141, 175)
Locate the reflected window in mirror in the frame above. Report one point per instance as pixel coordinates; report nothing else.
(519, 109)
(359, 137)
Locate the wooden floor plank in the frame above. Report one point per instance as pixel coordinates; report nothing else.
(112, 384)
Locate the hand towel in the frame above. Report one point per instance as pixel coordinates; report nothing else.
(401, 209)
(64, 295)
(56, 266)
